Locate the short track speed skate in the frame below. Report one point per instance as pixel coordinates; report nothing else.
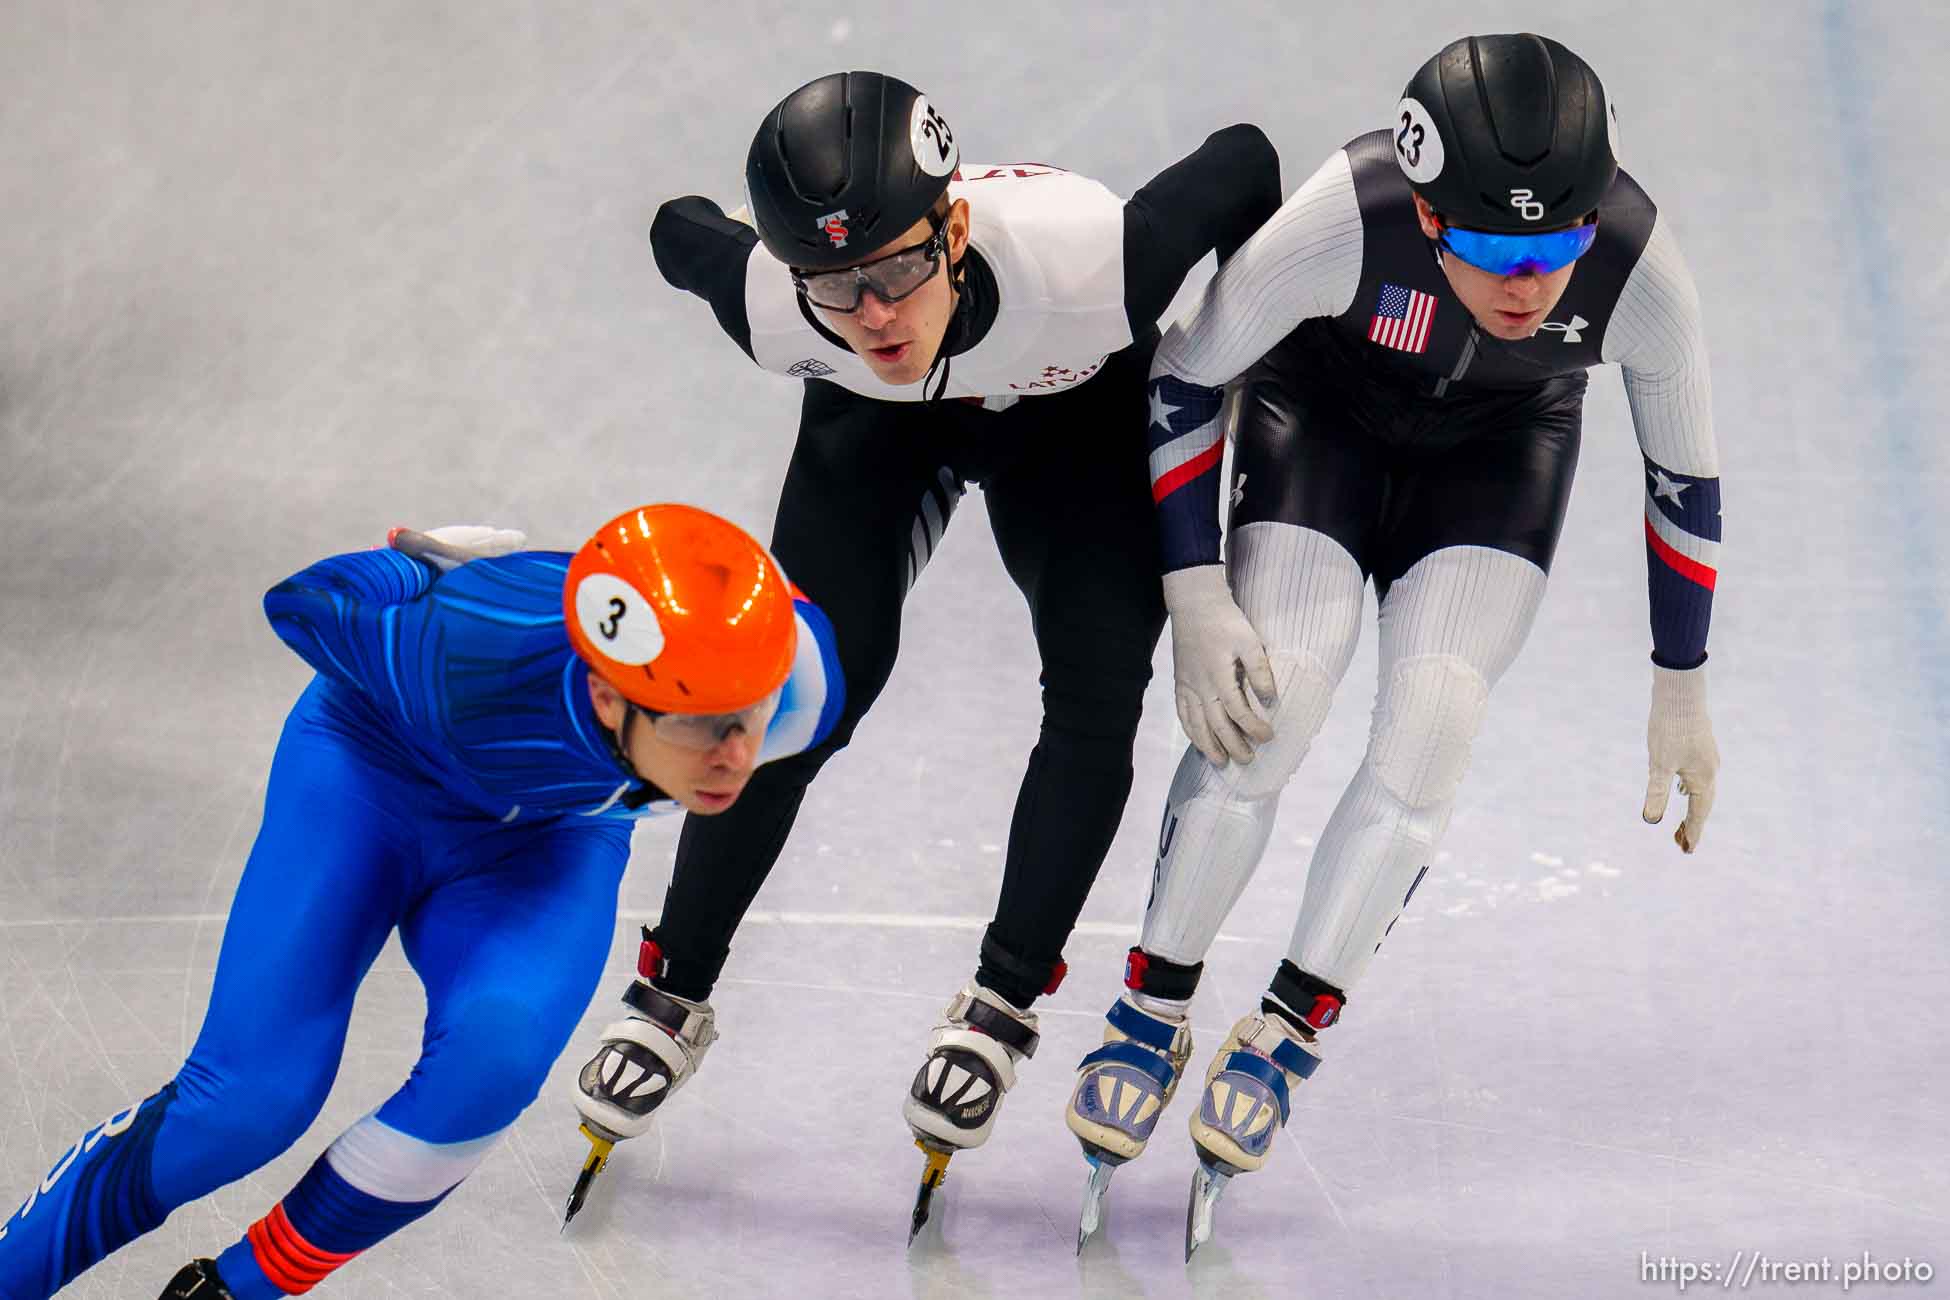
(1248, 1095)
(971, 1065)
(1122, 1089)
(197, 1281)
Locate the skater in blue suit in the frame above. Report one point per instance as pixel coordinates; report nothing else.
(485, 726)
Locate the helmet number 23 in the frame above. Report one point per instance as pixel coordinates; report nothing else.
(617, 609)
(1411, 149)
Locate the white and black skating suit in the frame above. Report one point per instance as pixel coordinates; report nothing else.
(1042, 380)
(1381, 435)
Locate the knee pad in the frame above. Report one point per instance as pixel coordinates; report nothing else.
(1306, 690)
(1429, 715)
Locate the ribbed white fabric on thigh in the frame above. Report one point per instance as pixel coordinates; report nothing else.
(1302, 592)
(1450, 628)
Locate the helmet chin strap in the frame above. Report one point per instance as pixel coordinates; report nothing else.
(956, 316)
(619, 742)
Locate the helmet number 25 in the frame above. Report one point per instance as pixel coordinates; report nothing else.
(935, 129)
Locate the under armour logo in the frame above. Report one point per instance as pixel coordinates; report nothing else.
(1571, 334)
(1239, 492)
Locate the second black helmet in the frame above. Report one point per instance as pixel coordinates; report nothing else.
(1507, 133)
(845, 164)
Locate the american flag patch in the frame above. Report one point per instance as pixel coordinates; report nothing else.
(1401, 319)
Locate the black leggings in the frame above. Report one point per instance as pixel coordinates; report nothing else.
(869, 491)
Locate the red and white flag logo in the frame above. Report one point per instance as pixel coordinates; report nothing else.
(1402, 319)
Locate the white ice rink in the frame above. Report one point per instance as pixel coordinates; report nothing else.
(276, 276)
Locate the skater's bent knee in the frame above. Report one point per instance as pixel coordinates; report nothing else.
(1430, 714)
(1305, 692)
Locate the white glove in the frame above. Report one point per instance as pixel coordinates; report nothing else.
(1679, 741)
(446, 549)
(1215, 654)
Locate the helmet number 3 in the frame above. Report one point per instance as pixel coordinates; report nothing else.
(1418, 145)
(617, 620)
(933, 143)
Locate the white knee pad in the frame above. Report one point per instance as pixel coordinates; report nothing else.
(1424, 724)
(1306, 689)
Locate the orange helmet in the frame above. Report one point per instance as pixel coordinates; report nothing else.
(681, 611)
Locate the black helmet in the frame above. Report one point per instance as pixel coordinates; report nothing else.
(845, 164)
(1507, 133)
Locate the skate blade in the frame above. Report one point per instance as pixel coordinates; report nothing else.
(1208, 1184)
(599, 1152)
(933, 1174)
(1094, 1189)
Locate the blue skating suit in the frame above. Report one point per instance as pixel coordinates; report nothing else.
(444, 774)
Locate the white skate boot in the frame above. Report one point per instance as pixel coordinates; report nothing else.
(971, 1065)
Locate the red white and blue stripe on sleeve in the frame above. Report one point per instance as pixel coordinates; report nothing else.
(1187, 444)
(1682, 558)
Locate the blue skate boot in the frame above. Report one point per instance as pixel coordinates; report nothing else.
(1122, 1089)
(1248, 1093)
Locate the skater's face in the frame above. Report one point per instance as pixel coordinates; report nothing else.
(900, 340)
(704, 781)
(1504, 306)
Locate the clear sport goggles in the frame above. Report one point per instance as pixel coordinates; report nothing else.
(892, 278)
(1506, 254)
(709, 730)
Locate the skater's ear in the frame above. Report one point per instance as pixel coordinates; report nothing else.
(608, 702)
(957, 222)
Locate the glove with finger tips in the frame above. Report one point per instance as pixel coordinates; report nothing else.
(1679, 743)
(1216, 654)
(449, 547)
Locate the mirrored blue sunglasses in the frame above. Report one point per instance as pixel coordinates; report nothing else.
(1507, 254)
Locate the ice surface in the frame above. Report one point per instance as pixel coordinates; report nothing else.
(277, 277)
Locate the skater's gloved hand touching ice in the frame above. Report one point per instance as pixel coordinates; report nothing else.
(1216, 654)
(1679, 740)
(449, 547)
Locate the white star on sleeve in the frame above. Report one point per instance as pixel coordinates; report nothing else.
(1160, 413)
(1667, 488)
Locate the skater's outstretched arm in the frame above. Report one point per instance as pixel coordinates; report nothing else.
(1212, 199)
(1656, 335)
(703, 251)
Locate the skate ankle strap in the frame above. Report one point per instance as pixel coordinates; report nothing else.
(1135, 1024)
(1001, 1026)
(1295, 1059)
(659, 1008)
(1134, 1056)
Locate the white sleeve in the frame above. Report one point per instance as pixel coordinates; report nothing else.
(1304, 262)
(1655, 335)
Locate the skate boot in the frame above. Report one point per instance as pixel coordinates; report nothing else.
(1122, 1090)
(1247, 1098)
(971, 1065)
(643, 1059)
(197, 1281)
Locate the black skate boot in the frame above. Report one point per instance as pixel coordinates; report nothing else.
(197, 1281)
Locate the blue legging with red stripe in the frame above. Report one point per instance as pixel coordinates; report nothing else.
(507, 925)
